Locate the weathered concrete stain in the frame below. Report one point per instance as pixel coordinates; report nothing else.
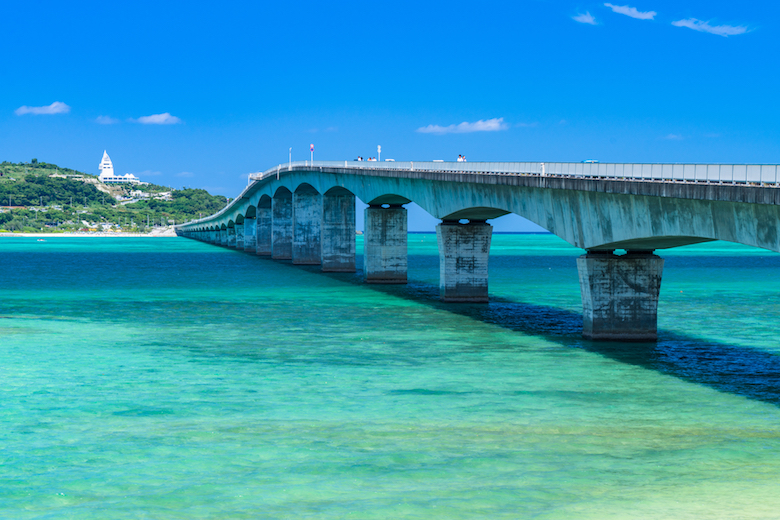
(464, 250)
(281, 225)
(620, 295)
(385, 245)
(307, 226)
(250, 234)
(338, 231)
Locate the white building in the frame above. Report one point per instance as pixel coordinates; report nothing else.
(107, 173)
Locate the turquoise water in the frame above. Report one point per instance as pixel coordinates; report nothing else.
(170, 379)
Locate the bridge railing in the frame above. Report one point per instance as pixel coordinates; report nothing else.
(755, 174)
(764, 174)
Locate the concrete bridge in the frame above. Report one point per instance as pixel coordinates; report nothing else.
(305, 212)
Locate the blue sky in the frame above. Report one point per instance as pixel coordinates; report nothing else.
(238, 83)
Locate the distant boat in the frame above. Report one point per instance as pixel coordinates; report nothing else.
(41, 240)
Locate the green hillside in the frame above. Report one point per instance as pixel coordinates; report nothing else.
(36, 197)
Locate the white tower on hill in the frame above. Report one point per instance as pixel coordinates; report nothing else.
(107, 173)
(106, 166)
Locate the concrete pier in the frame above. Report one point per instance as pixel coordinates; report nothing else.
(338, 231)
(250, 242)
(239, 229)
(620, 295)
(281, 232)
(307, 226)
(464, 250)
(231, 237)
(385, 245)
(223, 237)
(264, 227)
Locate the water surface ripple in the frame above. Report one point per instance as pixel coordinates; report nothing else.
(171, 379)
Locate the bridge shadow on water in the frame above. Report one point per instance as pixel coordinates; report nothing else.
(739, 370)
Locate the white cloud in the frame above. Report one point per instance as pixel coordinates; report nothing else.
(106, 120)
(584, 18)
(720, 30)
(58, 107)
(673, 137)
(158, 119)
(632, 12)
(490, 125)
(185, 174)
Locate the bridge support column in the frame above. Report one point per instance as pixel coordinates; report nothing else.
(250, 242)
(231, 237)
(264, 232)
(239, 236)
(338, 232)
(464, 250)
(223, 237)
(281, 247)
(384, 245)
(620, 295)
(213, 236)
(307, 228)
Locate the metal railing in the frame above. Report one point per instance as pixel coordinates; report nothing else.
(764, 174)
(738, 174)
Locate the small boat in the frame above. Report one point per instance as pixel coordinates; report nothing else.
(41, 240)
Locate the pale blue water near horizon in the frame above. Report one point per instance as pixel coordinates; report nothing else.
(170, 379)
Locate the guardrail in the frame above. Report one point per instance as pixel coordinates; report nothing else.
(766, 174)
(755, 174)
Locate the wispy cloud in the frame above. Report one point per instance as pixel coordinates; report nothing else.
(632, 12)
(702, 26)
(185, 174)
(58, 107)
(106, 120)
(673, 137)
(158, 119)
(489, 125)
(585, 18)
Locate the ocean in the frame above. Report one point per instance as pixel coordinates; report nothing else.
(171, 379)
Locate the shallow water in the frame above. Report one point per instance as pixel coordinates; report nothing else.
(168, 379)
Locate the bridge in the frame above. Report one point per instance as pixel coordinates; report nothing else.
(305, 212)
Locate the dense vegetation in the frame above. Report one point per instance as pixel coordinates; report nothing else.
(31, 200)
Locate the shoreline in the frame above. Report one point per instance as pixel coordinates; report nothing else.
(86, 235)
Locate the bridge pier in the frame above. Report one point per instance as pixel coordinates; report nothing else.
(239, 236)
(307, 227)
(214, 236)
(464, 250)
(281, 226)
(231, 237)
(338, 232)
(620, 295)
(249, 234)
(264, 231)
(385, 244)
